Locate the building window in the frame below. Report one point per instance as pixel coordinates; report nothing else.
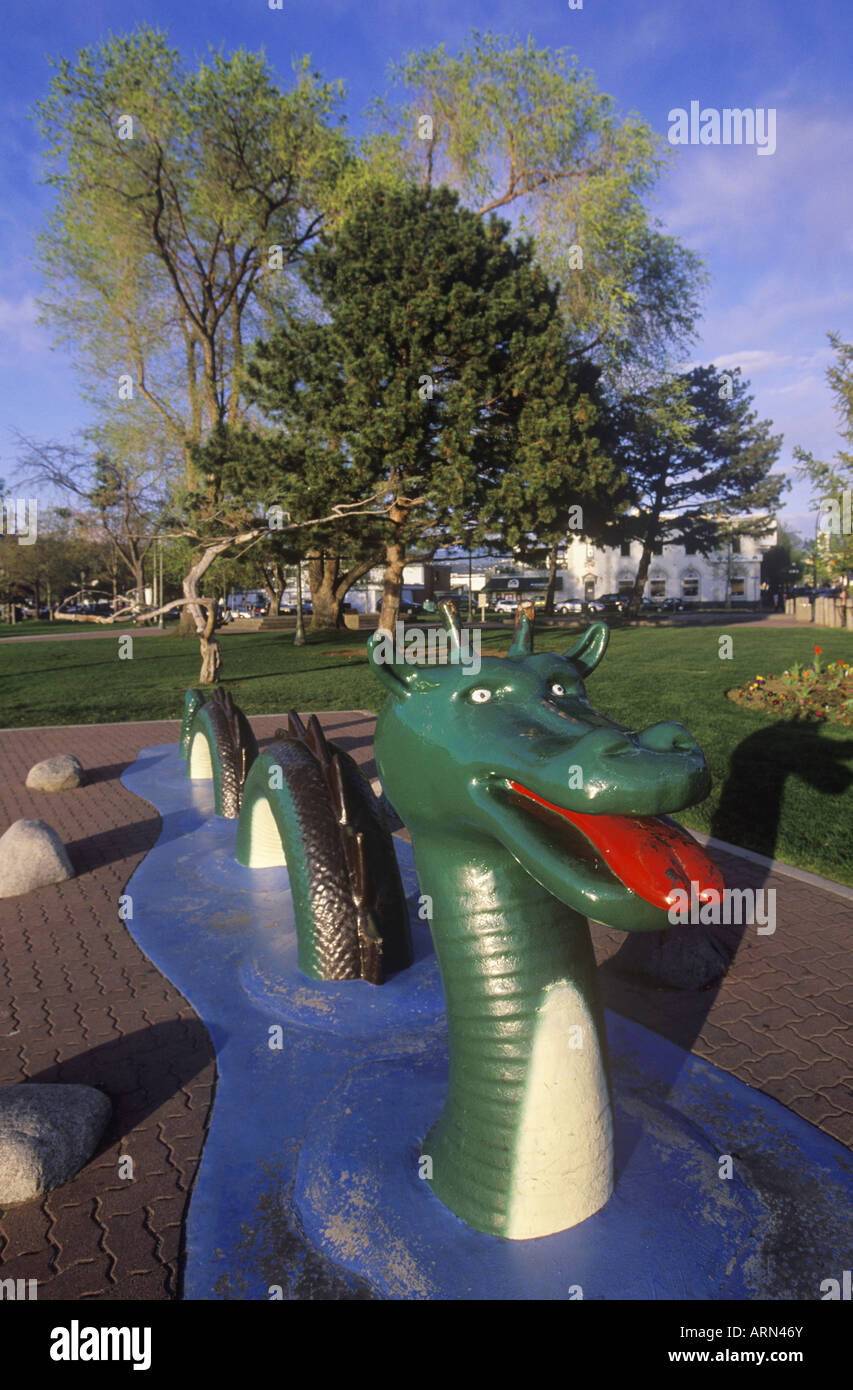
(736, 545)
(690, 586)
(738, 588)
(625, 549)
(657, 548)
(691, 548)
(590, 551)
(657, 588)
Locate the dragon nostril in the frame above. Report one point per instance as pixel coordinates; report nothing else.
(667, 738)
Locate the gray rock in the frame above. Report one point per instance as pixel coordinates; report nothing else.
(31, 856)
(47, 1134)
(682, 958)
(58, 774)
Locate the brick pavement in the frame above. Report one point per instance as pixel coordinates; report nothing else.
(79, 1001)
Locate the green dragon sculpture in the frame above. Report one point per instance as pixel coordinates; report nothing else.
(307, 804)
(217, 743)
(530, 812)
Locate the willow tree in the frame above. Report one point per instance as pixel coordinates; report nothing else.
(523, 130)
(183, 200)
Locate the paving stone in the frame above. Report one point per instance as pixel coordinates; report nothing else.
(85, 1279)
(831, 1072)
(23, 1231)
(840, 1127)
(817, 1025)
(839, 1094)
(804, 1052)
(763, 1071)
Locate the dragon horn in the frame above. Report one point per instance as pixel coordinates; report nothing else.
(295, 727)
(587, 652)
(522, 640)
(450, 617)
(316, 740)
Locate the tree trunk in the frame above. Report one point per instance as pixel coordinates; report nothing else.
(195, 624)
(211, 653)
(329, 587)
(395, 561)
(273, 586)
(323, 572)
(353, 575)
(640, 581)
(552, 581)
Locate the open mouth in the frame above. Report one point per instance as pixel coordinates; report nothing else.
(651, 855)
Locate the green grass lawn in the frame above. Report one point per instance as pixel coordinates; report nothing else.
(779, 788)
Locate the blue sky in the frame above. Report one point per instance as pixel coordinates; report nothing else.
(775, 231)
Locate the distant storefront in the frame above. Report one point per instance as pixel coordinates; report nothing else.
(519, 586)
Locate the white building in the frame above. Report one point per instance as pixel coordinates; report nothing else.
(675, 571)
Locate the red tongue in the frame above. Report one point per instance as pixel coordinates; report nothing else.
(650, 854)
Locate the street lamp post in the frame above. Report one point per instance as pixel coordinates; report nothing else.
(161, 618)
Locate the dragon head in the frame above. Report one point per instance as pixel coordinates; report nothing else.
(516, 753)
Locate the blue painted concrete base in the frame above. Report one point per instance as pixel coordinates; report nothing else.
(309, 1185)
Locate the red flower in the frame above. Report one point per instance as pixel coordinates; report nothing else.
(817, 649)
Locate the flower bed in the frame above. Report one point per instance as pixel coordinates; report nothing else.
(804, 692)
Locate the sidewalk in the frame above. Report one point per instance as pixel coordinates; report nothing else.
(80, 1002)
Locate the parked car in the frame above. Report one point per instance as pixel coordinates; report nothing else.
(608, 603)
(570, 605)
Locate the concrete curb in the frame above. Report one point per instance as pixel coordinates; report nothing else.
(776, 866)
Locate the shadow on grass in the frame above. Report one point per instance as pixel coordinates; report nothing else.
(640, 979)
(751, 800)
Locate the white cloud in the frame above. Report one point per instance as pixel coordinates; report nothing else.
(19, 332)
(752, 360)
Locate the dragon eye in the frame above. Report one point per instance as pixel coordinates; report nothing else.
(480, 696)
(556, 688)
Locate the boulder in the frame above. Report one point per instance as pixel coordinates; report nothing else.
(47, 1134)
(58, 774)
(684, 958)
(31, 856)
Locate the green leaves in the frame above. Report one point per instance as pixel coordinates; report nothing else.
(696, 458)
(434, 366)
(518, 126)
(172, 188)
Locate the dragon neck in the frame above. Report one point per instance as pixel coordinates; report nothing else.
(523, 1147)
